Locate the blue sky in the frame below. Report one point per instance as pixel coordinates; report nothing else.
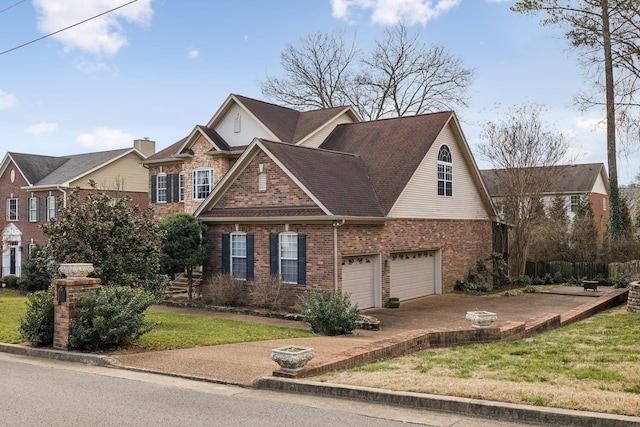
(157, 68)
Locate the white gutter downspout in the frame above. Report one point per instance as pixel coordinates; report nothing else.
(64, 199)
(335, 254)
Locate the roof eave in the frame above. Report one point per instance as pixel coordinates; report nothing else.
(289, 219)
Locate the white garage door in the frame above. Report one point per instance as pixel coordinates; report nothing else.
(358, 280)
(412, 275)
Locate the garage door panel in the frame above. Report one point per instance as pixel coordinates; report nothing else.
(358, 280)
(412, 275)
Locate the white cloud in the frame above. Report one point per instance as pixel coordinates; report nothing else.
(394, 11)
(100, 36)
(43, 127)
(7, 100)
(105, 139)
(599, 125)
(193, 53)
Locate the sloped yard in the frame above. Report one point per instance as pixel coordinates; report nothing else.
(590, 365)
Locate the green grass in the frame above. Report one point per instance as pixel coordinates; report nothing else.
(12, 306)
(174, 330)
(189, 330)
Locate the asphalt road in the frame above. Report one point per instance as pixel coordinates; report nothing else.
(39, 392)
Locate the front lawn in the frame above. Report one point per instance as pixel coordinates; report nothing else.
(12, 306)
(174, 330)
(590, 365)
(191, 330)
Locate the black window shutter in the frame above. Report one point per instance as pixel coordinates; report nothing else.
(168, 189)
(154, 185)
(273, 253)
(45, 208)
(250, 259)
(176, 187)
(302, 259)
(226, 254)
(27, 210)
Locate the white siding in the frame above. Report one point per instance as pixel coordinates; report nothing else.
(249, 128)
(316, 139)
(599, 187)
(420, 197)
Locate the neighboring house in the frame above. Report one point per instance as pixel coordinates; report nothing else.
(389, 208)
(183, 174)
(570, 182)
(34, 187)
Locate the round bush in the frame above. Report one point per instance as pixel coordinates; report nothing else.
(329, 313)
(36, 325)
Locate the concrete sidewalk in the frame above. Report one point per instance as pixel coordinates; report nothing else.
(244, 363)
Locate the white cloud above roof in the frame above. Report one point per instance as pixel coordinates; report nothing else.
(102, 36)
(394, 11)
(105, 139)
(7, 100)
(43, 127)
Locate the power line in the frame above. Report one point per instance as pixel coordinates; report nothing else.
(66, 28)
(12, 6)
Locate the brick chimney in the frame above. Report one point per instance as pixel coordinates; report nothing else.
(145, 146)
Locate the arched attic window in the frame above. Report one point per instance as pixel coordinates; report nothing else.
(445, 172)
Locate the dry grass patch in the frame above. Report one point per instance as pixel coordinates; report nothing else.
(590, 365)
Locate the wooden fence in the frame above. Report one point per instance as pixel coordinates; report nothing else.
(588, 270)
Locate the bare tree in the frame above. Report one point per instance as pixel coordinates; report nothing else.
(399, 77)
(607, 32)
(318, 73)
(522, 150)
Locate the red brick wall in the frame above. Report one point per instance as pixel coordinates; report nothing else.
(281, 190)
(462, 244)
(600, 214)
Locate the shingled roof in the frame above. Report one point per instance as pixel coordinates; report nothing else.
(391, 149)
(568, 179)
(287, 124)
(44, 171)
(338, 180)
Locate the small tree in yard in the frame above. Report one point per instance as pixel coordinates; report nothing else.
(121, 241)
(184, 246)
(523, 150)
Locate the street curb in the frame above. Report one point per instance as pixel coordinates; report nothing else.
(498, 411)
(49, 353)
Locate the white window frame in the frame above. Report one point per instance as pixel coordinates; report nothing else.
(262, 182)
(238, 251)
(181, 186)
(201, 189)
(604, 203)
(574, 202)
(52, 203)
(288, 252)
(161, 190)
(12, 212)
(33, 209)
(445, 173)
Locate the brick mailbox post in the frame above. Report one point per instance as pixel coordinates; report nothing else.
(67, 294)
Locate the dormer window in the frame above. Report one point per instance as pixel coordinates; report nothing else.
(445, 172)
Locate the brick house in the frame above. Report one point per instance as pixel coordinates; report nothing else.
(389, 208)
(34, 186)
(183, 174)
(571, 182)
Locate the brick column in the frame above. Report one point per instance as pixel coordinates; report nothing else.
(67, 293)
(633, 299)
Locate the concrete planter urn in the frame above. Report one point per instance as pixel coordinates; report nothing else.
(292, 358)
(76, 270)
(481, 319)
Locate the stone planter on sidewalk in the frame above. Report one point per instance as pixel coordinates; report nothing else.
(481, 319)
(292, 358)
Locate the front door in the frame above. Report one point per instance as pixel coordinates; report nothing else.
(12, 261)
